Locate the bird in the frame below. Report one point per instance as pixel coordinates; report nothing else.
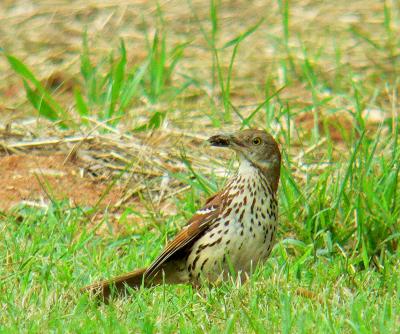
(230, 235)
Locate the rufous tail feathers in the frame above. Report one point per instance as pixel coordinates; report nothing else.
(134, 279)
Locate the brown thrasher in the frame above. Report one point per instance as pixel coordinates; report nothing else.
(232, 233)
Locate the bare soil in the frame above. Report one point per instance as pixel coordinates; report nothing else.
(38, 179)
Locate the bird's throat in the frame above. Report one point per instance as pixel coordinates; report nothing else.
(270, 169)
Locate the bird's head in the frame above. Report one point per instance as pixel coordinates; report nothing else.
(257, 147)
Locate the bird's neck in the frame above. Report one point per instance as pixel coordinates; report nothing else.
(270, 172)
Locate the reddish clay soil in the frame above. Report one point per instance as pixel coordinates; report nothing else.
(28, 178)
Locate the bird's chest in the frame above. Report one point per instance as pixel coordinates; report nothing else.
(251, 231)
(241, 236)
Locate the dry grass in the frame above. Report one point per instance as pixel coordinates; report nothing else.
(47, 35)
(331, 39)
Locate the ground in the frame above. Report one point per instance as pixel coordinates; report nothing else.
(104, 112)
(21, 181)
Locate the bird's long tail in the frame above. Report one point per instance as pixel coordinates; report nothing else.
(103, 289)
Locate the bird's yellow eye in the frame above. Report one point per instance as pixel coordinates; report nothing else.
(256, 141)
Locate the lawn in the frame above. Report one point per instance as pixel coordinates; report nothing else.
(105, 108)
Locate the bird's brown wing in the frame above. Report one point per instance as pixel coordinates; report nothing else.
(201, 220)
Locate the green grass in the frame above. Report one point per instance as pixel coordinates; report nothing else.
(47, 256)
(336, 268)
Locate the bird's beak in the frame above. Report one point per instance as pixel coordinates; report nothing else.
(228, 140)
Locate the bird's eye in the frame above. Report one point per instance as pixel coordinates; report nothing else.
(256, 141)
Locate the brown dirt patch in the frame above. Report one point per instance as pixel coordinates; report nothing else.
(39, 178)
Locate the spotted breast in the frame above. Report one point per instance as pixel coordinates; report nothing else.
(243, 232)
